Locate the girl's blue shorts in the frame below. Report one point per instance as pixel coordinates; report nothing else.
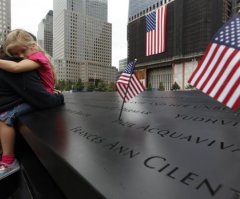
(10, 115)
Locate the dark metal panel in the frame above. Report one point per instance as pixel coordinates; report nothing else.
(168, 145)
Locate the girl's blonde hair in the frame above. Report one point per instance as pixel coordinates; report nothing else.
(22, 38)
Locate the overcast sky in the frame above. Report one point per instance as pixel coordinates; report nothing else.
(27, 14)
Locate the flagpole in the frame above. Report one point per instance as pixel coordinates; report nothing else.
(125, 94)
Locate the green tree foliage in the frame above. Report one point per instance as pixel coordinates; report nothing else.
(111, 87)
(89, 86)
(189, 87)
(69, 85)
(101, 86)
(60, 85)
(78, 86)
(161, 87)
(149, 88)
(175, 86)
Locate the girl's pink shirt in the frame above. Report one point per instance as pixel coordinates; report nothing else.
(45, 70)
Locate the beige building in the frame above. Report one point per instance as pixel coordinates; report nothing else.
(82, 42)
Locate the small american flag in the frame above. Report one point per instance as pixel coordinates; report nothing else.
(128, 84)
(156, 31)
(218, 73)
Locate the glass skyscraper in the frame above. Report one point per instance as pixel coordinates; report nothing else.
(138, 8)
(45, 33)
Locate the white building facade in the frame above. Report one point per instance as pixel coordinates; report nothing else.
(122, 64)
(82, 43)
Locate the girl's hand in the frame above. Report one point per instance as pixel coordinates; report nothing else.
(57, 91)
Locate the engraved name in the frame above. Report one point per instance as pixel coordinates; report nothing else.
(161, 165)
(190, 106)
(208, 120)
(114, 146)
(181, 137)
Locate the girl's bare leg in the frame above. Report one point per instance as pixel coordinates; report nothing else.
(7, 137)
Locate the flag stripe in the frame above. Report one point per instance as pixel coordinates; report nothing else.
(159, 29)
(130, 90)
(133, 92)
(128, 96)
(224, 74)
(138, 84)
(227, 84)
(134, 89)
(157, 33)
(203, 64)
(164, 29)
(134, 85)
(150, 43)
(211, 59)
(120, 90)
(237, 103)
(232, 95)
(222, 70)
(147, 44)
(211, 66)
(193, 76)
(154, 42)
(212, 76)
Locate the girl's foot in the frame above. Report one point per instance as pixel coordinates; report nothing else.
(8, 169)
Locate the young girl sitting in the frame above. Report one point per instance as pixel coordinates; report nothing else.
(22, 44)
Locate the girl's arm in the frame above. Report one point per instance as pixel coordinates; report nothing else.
(22, 66)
